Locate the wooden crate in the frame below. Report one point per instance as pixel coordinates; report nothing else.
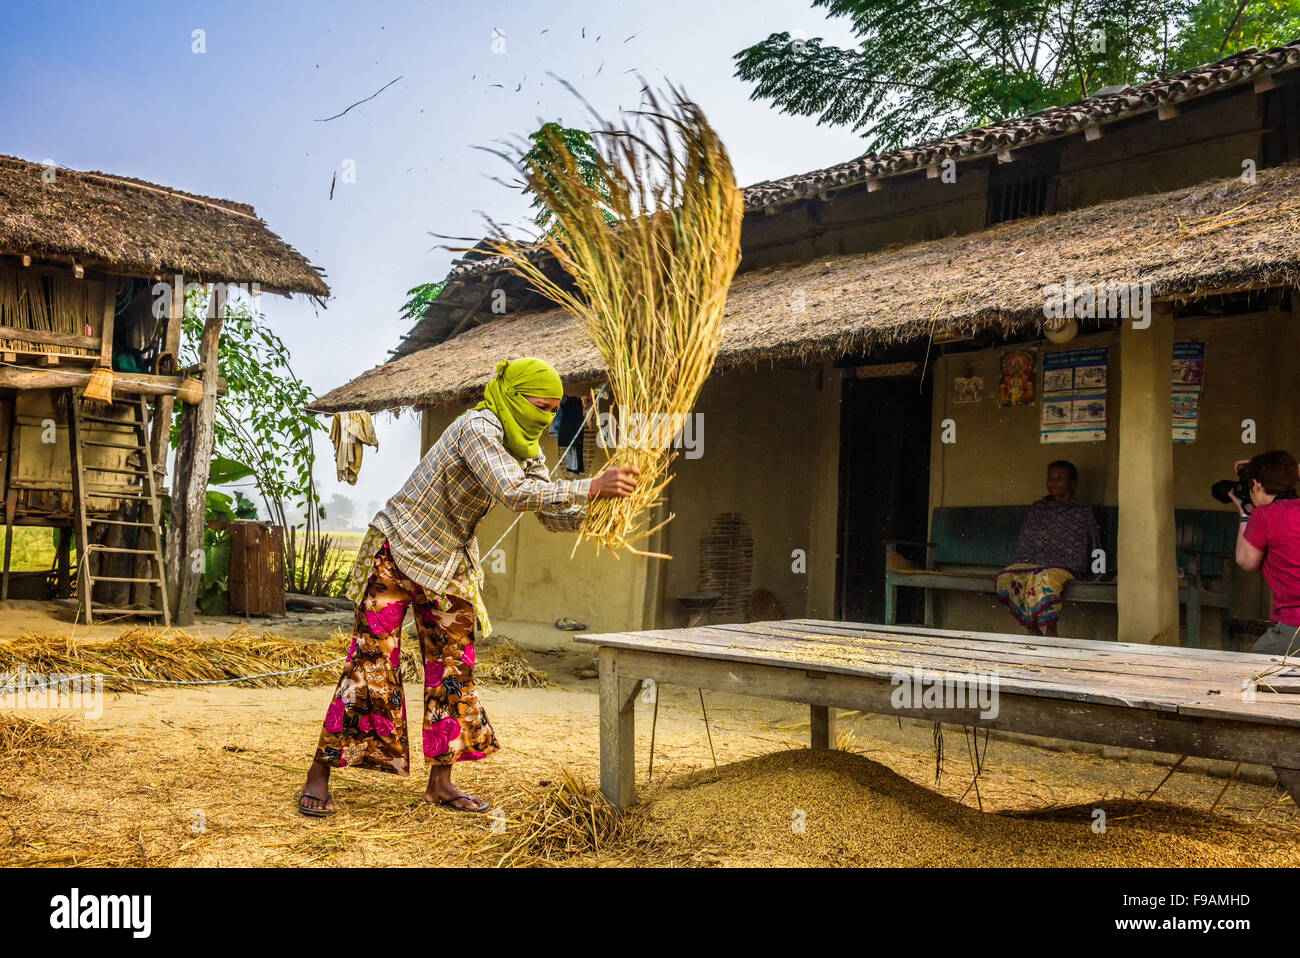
(256, 577)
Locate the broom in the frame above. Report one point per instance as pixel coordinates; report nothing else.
(650, 288)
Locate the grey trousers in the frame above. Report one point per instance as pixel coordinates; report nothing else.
(1278, 640)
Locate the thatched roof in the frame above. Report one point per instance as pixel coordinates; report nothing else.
(136, 228)
(1185, 243)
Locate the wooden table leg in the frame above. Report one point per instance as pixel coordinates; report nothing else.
(1289, 778)
(617, 732)
(823, 726)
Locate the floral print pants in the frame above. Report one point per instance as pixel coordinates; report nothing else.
(365, 725)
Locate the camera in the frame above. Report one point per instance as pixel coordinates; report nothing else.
(1240, 486)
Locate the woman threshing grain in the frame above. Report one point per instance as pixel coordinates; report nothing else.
(421, 551)
(1056, 544)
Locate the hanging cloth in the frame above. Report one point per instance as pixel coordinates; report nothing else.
(572, 418)
(350, 432)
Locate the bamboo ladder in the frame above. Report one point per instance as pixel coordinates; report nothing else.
(149, 542)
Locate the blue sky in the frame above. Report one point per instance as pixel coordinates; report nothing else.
(117, 87)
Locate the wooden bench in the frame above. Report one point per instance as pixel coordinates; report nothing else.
(969, 545)
(1179, 701)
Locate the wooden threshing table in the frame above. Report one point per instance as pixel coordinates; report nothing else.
(1184, 701)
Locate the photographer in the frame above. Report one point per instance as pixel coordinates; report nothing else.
(1268, 537)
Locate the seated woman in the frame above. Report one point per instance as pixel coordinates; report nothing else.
(1055, 545)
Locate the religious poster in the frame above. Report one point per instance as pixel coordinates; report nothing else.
(1016, 384)
(1074, 396)
(967, 389)
(1188, 373)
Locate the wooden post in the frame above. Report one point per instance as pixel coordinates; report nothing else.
(11, 504)
(160, 431)
(190, 486)
(1148, 576)
(617, 732)
(823, 727)
(63, 563)
(106, 326)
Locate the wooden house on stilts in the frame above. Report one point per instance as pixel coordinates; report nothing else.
(93, 272)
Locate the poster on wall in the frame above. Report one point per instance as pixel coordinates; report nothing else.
(1188, 374)
(1074, 396)
(1016, 383)
(967, 389)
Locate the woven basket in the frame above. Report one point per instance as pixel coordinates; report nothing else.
(727, 564)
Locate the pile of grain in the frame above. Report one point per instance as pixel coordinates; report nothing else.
(853, 811)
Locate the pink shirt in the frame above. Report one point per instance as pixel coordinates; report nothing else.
(1275, 528)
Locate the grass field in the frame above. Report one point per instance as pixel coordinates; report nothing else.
(33, 548)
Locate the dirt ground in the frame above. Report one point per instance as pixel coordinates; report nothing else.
(209, 776)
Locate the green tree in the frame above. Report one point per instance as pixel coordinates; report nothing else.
(262, 430)
(1212, 29)
(542, 151)
(924, 68)
(419, 298)
(542, 155)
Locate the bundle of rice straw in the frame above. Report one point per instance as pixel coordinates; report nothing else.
(649, 288)
(505, 664)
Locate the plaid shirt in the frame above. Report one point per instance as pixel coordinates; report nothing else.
(431, 521)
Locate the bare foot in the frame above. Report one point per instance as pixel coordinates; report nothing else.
(316, 793)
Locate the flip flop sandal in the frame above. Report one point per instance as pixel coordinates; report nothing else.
(451, 803)
(315, 812)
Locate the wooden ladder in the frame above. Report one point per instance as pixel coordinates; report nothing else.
(139, 467)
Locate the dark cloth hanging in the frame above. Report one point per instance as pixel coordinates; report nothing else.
(570, 419)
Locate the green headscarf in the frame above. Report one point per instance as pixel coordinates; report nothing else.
(523, 422)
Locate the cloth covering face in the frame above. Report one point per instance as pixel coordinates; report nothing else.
(350, 432)
(365, 724)
(506, 396)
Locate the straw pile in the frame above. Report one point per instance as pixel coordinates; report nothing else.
(650, 290)
(505, 664)
(26, 741)
(174, 655)
(565, 818)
